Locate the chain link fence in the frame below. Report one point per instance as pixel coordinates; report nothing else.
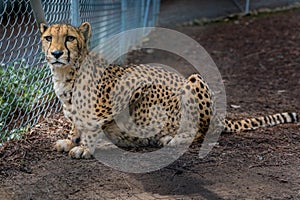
(26, 92)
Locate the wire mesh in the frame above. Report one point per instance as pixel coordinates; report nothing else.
(26, 92)
(243, 5)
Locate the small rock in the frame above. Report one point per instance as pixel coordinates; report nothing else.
(235, 106)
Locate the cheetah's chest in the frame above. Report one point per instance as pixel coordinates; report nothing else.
(63, 80)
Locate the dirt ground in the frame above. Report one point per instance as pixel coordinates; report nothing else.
(259, 59)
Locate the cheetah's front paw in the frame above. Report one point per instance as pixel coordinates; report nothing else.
(64, 145)
(80, 152)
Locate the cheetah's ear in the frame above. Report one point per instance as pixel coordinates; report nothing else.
(86, 30)
(43, 27)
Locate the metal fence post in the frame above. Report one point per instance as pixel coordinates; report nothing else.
(146, 13)
(38, 12)
(142, 12)
(75, 16)
(123, 14)
(138, 6)
(247, 6)
(156, 4)
(123, 28)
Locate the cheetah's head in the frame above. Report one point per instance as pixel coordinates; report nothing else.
(65, 45)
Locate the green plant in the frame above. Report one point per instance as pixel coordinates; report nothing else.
(22, 88)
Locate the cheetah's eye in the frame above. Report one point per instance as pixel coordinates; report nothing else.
(48, 38)
(70, 38)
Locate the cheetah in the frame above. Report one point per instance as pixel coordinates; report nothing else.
(145, 101)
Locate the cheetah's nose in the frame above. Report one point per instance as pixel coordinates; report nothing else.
(57, 53)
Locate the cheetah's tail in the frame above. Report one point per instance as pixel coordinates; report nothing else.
(258, 122)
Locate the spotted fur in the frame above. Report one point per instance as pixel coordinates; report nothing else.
(136, 105)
